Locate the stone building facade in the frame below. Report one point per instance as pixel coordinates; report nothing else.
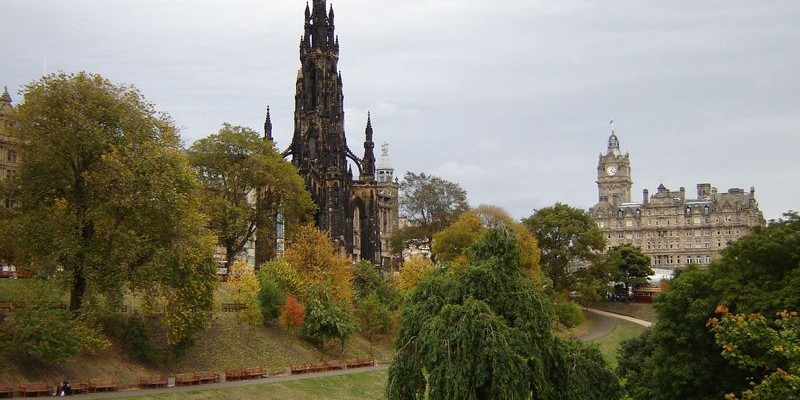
(672, 227)
(9, 156)
(9, 144)
(357, 208)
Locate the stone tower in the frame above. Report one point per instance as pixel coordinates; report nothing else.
(614, 174)
(347, 208)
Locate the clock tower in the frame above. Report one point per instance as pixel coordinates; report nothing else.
(614, 174)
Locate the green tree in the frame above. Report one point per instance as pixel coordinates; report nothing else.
(271, 299)
(38, 328)
(565, 235)
(283, 275)
(751, 342)
(758, 273)
(627, 264)
(246, 183)
(107, 197)
(373, 315)
(485, 333)
(327, 320)
(430, 203)
(368, 280)
(635, 364)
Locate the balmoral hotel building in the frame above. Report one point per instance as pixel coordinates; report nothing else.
(674, 228)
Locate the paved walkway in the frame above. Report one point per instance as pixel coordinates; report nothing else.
(133, 392)
(620, 316)
(605, 321)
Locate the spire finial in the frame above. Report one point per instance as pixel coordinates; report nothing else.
(613, 141)
(268, 126)
(5, 97)
(368, 131)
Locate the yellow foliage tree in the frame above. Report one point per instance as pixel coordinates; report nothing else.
(244, 288)
(413, 271)
(451, 243)
(322, 270)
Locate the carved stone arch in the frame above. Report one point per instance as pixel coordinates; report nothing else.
(359, 232)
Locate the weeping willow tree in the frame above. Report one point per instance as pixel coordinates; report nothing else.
(484, 332)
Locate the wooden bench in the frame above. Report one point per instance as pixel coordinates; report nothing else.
(233, 307)
(6, 390)
(35, 388)
(318, 367)
(234, 374)
(105, 385)
(78, 387)
(255, 372)
(185, 379)
(334, 365)
(206, 377)
(152, 381)
(361, 362)
(300, 369)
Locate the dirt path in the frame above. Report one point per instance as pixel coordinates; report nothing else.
(133, 392)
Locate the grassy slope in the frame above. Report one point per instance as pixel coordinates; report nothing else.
(610, 342)
(227, 344)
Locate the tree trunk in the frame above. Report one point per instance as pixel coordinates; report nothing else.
(230, 256)
(78, 289)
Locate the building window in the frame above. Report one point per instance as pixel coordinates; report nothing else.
(708, 259)
(12, 156)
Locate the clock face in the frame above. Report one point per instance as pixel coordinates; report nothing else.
(612, 170)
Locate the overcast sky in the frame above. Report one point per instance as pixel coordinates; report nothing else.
(510, 99)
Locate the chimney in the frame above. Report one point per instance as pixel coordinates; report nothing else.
(645, 197)
(703, 190)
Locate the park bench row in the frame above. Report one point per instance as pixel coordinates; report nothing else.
(182, 379)
(43, 388)
(330, 366)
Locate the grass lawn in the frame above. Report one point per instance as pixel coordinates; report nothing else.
(19, 289)
(367, 385)
(610, 342)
